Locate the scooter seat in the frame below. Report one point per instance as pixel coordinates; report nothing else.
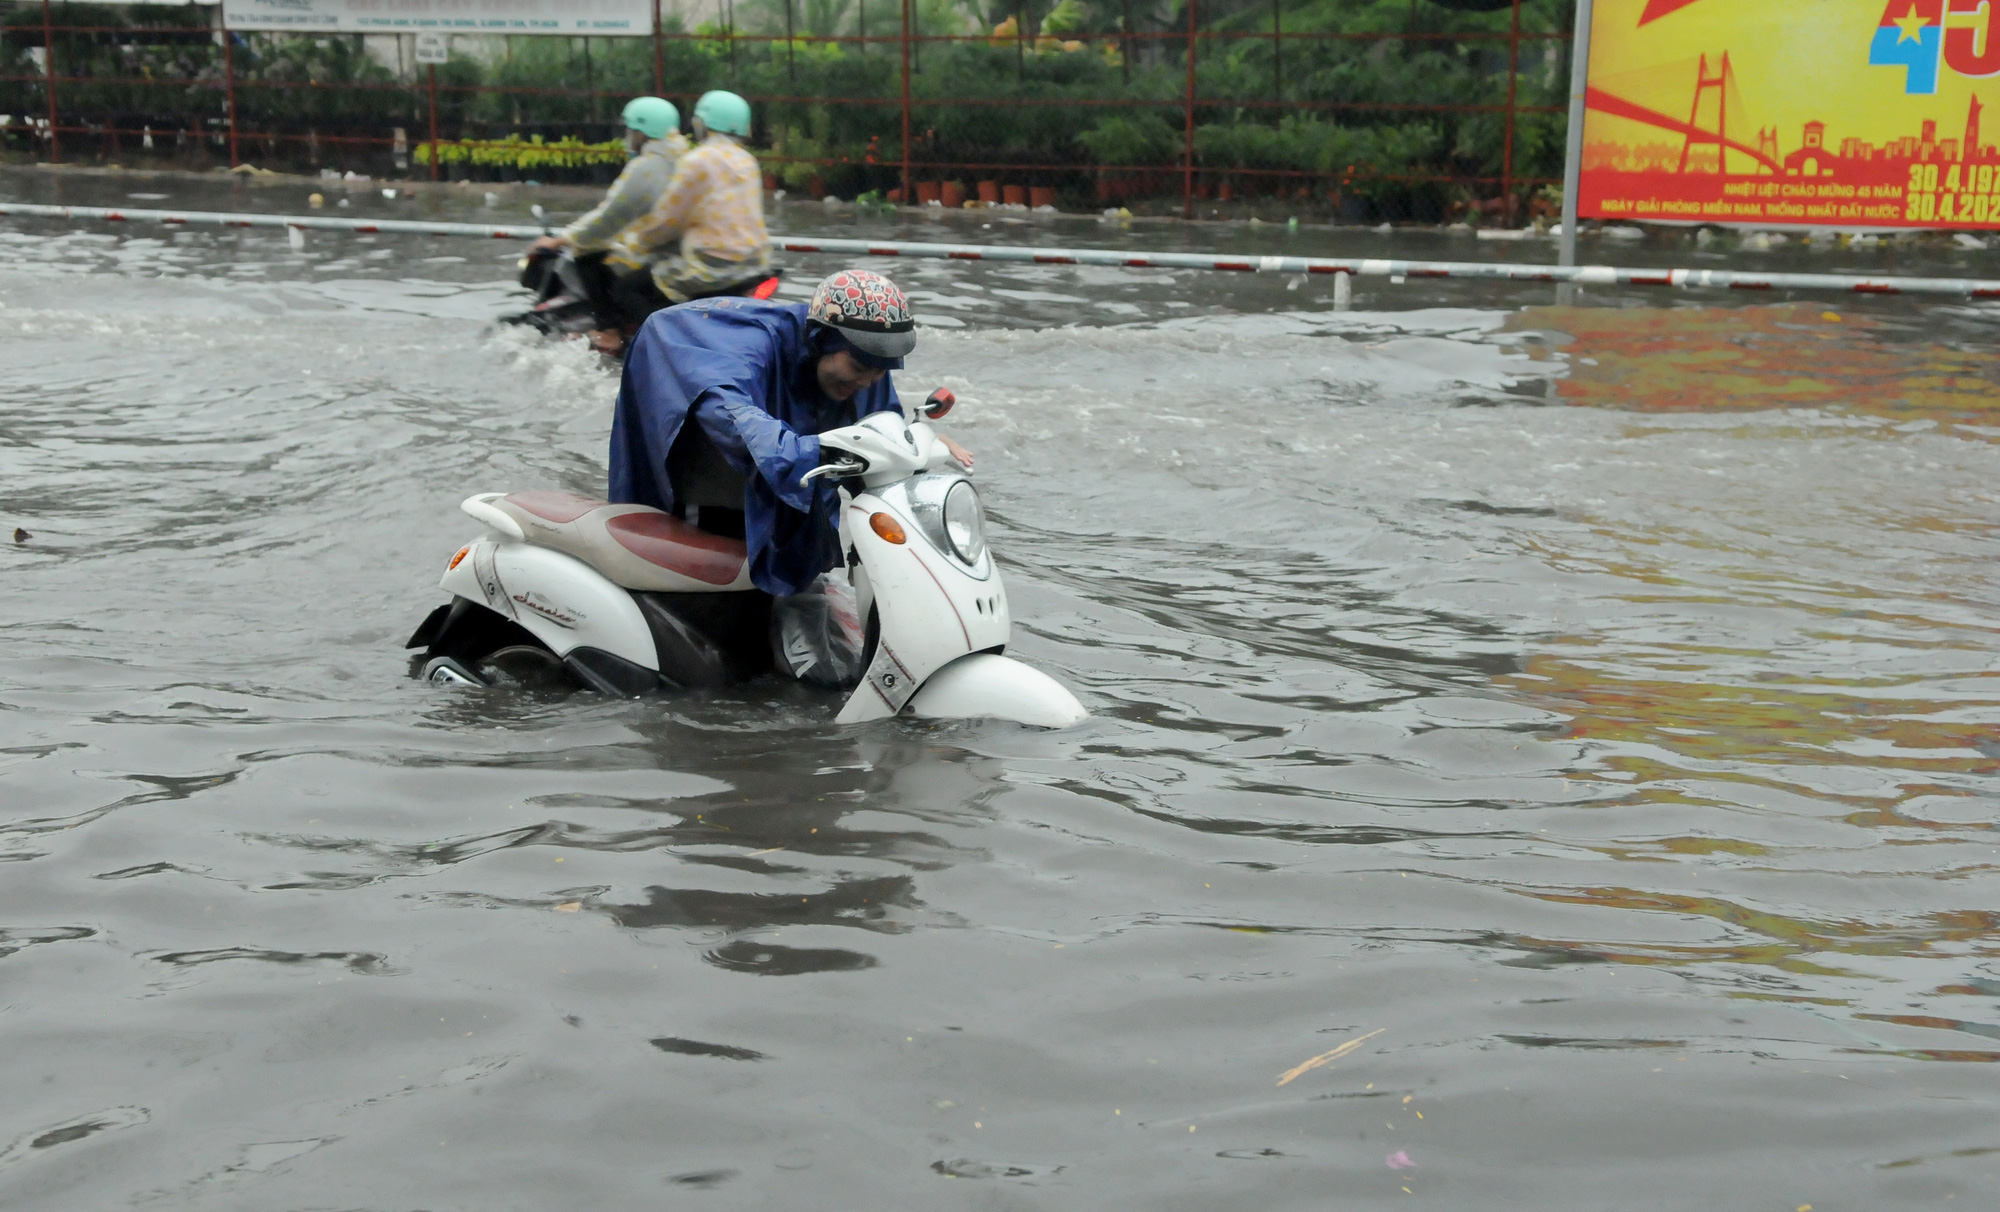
(635, 546)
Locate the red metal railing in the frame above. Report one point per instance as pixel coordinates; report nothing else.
(907, 42)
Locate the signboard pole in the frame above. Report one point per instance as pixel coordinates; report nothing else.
(1579, 82)
(229, 90)
(432, 69)
(49, 73)
(1513, 80)
(1187, 153)
(909, 198)
(659, 60)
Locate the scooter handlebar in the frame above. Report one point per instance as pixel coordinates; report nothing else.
(839, 469)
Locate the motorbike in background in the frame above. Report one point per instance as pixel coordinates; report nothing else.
(577, 295)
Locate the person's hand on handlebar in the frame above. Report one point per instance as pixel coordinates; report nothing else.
(548, 244)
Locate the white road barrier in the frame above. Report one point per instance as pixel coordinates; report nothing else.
(1395, 271)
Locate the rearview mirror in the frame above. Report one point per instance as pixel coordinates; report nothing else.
(938, 403)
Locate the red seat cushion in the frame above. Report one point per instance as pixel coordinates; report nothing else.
(665, 540)
(552, 506)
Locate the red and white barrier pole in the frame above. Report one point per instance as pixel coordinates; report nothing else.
(1395, 270)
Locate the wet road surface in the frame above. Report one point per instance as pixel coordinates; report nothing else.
(1574, 728)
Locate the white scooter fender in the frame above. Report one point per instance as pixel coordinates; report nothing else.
(984, 685)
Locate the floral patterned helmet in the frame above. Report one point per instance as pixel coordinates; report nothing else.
(868, 310)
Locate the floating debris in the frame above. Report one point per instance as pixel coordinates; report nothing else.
(1327, 1058)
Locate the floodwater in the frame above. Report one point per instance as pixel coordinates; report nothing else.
(1541, 757)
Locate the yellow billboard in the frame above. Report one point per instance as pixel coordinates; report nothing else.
(1817, 113)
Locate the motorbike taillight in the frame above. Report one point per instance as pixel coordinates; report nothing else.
(765, 289)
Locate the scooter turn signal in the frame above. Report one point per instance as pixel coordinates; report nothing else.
(888, 527)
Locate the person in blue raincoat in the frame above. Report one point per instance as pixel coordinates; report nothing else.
(759, 379)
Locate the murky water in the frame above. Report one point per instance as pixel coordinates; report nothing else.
(1581, 721)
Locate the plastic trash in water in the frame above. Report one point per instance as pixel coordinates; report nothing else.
(298, 238)
(816, 636)
(1400, 1160)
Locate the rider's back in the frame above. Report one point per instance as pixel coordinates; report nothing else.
(632, 196)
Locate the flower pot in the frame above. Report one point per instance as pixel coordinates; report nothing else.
(927, 193)
(1013, 195)
(770, 182)
(895, 195)
(952, 194)
(816, 187)
(989, 192)
(1041, 195)
(1224, 192)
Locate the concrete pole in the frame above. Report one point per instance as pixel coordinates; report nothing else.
(1579, 80)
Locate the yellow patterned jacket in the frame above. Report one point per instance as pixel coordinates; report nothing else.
(715, 205)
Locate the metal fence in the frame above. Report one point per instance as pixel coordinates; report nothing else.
(1372, 110)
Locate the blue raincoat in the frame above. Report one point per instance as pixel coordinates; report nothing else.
(747, 366)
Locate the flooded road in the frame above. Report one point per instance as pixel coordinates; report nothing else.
(1542, 756)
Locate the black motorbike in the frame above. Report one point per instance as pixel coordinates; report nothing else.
(575, 295)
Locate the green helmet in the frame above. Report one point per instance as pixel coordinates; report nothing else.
(725, 112)
(652, 116)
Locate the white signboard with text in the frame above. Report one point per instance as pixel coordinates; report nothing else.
(605, 18)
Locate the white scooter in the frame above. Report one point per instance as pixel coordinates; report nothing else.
(627, 599)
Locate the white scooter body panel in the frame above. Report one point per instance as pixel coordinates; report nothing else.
(984, 685)
(932, 610)
(562, 601)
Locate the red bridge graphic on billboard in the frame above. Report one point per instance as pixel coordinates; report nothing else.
(1710, 168)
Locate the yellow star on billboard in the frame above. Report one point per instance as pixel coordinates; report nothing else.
(1911, 24)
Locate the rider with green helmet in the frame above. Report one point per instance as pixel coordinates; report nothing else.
(654, 145)
(714, 207)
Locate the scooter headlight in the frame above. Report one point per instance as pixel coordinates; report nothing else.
(965, 522)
